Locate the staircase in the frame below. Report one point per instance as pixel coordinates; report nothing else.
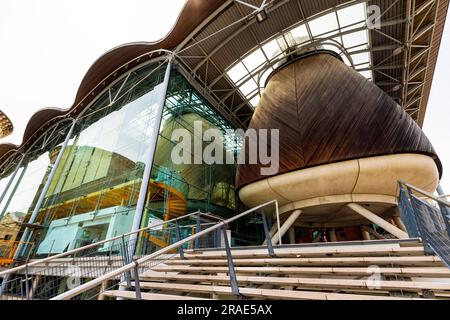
(363, 270)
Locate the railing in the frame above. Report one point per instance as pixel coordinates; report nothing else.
(46, 278)
(428, 217)
(96, 287)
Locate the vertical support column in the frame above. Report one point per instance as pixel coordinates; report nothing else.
(291, 235)
(333, 237)
(11, 179)
(365, 234)
(50, 177)
(149, 160)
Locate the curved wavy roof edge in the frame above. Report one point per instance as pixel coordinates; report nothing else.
(112, 60)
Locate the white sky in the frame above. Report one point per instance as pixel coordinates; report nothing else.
(46, 47)
(437, 118)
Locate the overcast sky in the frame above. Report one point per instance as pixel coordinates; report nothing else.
(47, 47)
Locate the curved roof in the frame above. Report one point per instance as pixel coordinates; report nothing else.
(211, 36)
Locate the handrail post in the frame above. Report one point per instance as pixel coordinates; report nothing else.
(231, 270)
(217, 234)
(197, 230)
(126, 261)
(27, 289)
(267, 235)
(180, 249)
(137, 284)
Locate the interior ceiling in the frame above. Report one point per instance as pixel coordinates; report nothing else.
(403, 52)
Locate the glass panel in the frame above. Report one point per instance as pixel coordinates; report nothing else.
(237, 72)
(178, 188)
(367, 74)
(26, 188)
(254, 101)
(361, 58)
(10, 221)
(94, 191)
(323, 24)
(254, 60)
(248, 87)
(271, 49)
(300, 34)
(96, 187)
(355, 39)
(351, 15)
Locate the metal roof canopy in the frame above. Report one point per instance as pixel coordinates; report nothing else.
(403, 52)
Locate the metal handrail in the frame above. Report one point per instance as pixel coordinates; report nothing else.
(135, 264)
(425, 193)
(92, 245)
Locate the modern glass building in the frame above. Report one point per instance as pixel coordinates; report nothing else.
(345, 82)
(82, 179)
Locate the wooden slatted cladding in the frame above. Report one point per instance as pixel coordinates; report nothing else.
(327, 112)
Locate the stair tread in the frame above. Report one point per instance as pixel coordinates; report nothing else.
(320, 282)
(265, 293)
(147, 295)
(313, 251)
(434, 271)
(311, 261)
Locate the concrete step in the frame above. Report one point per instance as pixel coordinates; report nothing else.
(319, 283)
(263, 293)
(147, 295)
(346, 271)
(341, 261)
(304, 252)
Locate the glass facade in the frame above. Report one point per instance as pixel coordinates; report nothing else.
(94, 191)
(205, 187)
